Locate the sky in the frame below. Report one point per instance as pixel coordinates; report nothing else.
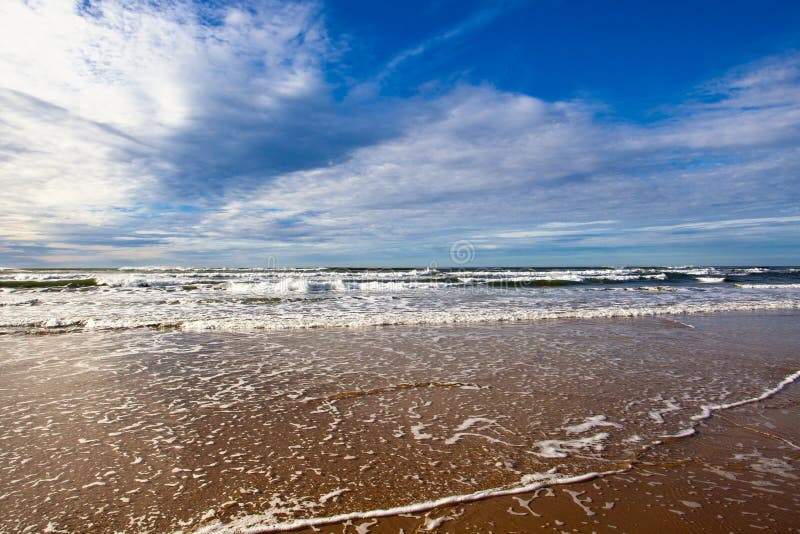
(370, 133)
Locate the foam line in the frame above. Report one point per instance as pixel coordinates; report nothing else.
(709, 409)
(412, 319)
(248, 524)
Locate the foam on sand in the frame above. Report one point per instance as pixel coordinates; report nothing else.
(282, 423)
(709, 409)
(265, 522)
(558, 448)
(589, 423)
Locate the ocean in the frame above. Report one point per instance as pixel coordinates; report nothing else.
(278, 299)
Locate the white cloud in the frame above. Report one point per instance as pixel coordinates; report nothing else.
(59, 169)
(473, 140)
(480, 158)
(147, 68)
(757, 104)
(91, 98)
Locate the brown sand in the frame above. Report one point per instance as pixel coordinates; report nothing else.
(738, 474)
(160, 431)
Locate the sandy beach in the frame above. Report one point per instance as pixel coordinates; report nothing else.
(148, 430)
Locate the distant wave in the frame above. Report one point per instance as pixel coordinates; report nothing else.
(389, 280)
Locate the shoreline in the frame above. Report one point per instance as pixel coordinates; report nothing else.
(466, 319)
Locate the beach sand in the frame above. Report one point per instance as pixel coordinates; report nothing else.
(166, 430)
(739, 473)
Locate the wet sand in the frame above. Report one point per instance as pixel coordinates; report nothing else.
(739, 473)
(164, 431)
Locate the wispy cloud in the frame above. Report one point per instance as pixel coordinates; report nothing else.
(476, 20)
(619, 234)
(717, 225)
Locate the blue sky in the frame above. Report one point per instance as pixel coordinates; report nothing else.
(378, 133)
